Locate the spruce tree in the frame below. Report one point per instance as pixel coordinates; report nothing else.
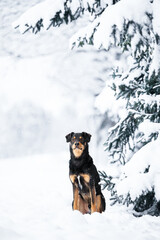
(139, 87)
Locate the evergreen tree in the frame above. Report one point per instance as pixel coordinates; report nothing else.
(139, 87)
(134, 28)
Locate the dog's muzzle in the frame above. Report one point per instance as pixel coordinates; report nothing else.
(77, 149)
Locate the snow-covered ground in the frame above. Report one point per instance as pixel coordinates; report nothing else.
(35, 204)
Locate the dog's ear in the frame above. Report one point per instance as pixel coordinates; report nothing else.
(86, 136)
(69, 136)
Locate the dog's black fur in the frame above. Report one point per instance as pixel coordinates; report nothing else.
(87, 195)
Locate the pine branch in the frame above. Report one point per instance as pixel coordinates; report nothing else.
(120, 136)
(64, 15)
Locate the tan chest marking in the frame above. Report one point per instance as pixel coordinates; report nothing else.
(86, 177)
(77, 152)
(73, 177)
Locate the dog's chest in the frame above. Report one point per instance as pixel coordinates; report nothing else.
(81, 181)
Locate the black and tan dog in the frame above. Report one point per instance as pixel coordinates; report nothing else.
(87, 195)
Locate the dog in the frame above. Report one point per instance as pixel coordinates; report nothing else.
(87, 195)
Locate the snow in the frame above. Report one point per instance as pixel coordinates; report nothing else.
(147, 128)
(106, 21)
(36, 197)
(106, 100)
(45, 10)
(155, 61)
(134, 179)
(156, 18)
(17, 90)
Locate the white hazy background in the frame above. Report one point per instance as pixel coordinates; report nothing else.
(46, 89)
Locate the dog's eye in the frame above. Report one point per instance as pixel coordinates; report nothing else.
(81, 139)
(73, 139)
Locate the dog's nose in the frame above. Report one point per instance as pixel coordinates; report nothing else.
(77, 144)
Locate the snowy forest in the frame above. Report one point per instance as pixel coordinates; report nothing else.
(79, 65)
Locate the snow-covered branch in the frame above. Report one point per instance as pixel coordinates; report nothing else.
(107, 25)
(55, 12)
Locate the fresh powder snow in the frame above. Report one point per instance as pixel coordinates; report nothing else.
(36, 200)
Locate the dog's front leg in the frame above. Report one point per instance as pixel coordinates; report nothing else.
(92, 191)
(75, 198)
(73, 179)
(93, 199)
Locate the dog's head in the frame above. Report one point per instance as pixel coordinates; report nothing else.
(78, 142)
